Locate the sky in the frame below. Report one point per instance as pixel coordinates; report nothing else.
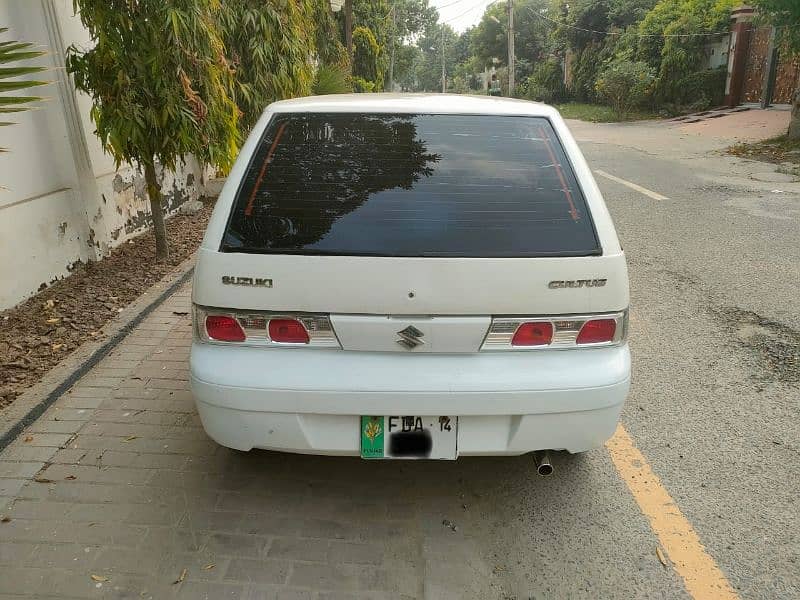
(460, 14)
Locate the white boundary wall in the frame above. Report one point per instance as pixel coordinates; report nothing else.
(63, 200)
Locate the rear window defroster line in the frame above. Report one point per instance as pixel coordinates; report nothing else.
(564, 187)
(248, 210)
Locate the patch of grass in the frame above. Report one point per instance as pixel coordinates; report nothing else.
(775, 150)
(599, 113)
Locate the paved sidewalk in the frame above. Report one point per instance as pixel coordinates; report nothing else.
(116, 490)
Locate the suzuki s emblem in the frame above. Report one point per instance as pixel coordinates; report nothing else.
(410, 337)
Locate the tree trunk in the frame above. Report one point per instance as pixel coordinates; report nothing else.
(348, 27)
(794, 123)
(157, 210)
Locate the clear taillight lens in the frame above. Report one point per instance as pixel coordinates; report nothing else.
(561, 332)
(263, 328)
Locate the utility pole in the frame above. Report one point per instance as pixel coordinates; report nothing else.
(444, 73)
(770, 71)
(511, 57)
(348, 27)
(391, 56)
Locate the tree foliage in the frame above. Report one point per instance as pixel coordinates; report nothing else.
(546, 83)
(671, 40)
(160, 86)
(269, 44)
(625, 84)
(429, 67)
(331, 80)
(367, 60)
(159, 80)
(13, 52)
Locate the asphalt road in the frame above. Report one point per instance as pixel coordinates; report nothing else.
(715, 336)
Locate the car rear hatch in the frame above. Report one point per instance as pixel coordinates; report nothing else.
(412, 232)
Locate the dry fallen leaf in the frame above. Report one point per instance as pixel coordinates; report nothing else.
(57, 346)
(181, 578)
(53, 320)
(28, 438)
(130, 438)
(99, 578)
(70, 477)
(42, 480)
(209, 567)
(5, 519)
(660, 556)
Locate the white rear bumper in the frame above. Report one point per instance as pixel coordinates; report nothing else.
(309, 401)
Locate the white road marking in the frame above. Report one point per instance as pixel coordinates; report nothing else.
(633, 186)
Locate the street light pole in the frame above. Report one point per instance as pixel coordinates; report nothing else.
(511, 56)
(444, 73)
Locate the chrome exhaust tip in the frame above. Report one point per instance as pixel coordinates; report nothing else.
(543, 465)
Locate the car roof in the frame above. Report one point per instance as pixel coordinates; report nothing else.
(415, 103)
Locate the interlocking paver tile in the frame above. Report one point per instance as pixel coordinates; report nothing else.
(258, 571)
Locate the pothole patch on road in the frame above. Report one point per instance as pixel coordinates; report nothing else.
(722, 189)
(774, 177)
(775, 346)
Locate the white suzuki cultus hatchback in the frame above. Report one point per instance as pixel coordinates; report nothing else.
(410, 276)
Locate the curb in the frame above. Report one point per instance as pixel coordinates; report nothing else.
(30, 405)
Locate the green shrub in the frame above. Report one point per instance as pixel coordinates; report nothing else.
(331, 80)
(546, 83)
(585, 67)
(625, 84)
(366, 59)
(362, 85)
(671, 39)
(702, 89)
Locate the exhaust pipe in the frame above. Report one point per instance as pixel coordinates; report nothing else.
(543, 465)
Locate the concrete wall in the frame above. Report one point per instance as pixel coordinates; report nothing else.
(715, 52)
(63, 200)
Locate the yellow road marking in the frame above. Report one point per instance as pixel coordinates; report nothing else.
(701, 575)
(633, 186)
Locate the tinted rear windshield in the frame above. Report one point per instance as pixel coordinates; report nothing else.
(410, 185)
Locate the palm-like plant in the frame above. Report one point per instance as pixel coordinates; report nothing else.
(12, 52)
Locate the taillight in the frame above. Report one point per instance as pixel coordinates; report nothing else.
(224, 328)
(262, 328)
(287, 331)
(597, 331)
(556, 332)
(533, 334)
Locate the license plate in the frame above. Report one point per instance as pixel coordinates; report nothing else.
(409, 436)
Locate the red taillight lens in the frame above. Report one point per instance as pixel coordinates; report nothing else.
(224, 329)
(287, 331)
(533, 334)
(597, 331)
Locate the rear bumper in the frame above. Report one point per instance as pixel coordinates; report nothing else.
(309, 401)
